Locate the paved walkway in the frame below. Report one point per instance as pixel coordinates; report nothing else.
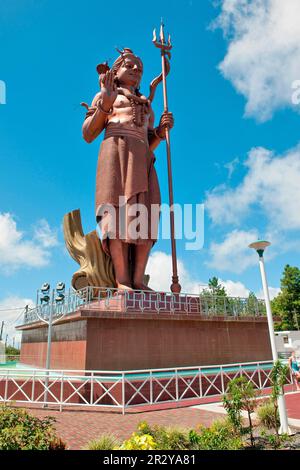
(77, 428)
(292, 400)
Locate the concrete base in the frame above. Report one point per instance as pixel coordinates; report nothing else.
(94, 339)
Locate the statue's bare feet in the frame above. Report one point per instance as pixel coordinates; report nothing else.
(141, 286)
(122, 288)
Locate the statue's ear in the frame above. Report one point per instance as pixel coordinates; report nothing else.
(102, 68)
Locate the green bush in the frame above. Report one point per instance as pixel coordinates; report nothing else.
(21, 431)
(219, 436)
(266, 415)
(166, 438)
(105, 442)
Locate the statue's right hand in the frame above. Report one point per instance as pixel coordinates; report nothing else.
(109, 91)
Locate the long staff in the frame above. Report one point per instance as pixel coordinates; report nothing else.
(165, 48)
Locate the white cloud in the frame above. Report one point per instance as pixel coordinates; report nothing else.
(273, 291)
(16, 251)
(263, 56)
(44, 235)
(235, 289)
(271, 184)
(12, 317)
(160, 269)
(231, 166)
(233, 253)
(160, 278)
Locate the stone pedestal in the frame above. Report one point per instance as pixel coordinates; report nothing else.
(113, 336)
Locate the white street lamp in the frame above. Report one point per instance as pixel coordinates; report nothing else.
(260, 247)
(59, 291)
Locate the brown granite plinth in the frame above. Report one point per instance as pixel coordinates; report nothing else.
(95, 339)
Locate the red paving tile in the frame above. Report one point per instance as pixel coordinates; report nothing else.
(293, 405)
(77, 428)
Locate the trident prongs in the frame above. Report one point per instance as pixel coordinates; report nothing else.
(162, 33)
(161, 44)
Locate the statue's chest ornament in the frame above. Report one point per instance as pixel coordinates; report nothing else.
(140, 106)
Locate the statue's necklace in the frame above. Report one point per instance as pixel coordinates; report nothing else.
(139, 106)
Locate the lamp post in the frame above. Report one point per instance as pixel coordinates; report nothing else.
(260, 247)
(59, 298)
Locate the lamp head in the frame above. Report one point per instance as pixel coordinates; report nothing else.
(45, 287)
(260, 246)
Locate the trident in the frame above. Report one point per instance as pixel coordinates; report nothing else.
(165, 51)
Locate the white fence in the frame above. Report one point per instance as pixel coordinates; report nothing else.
(126, 389)
(109, 299)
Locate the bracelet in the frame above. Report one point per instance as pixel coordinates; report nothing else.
(102, 110)
(156, 134)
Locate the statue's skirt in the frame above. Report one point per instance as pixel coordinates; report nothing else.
(127, 191)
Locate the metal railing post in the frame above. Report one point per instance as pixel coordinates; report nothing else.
(61, 391)
(6, 386)
(222, 380)
(151, 388)
(176, 384)
(200, 382)
(92, 388)
(33, 386)
(123, 394)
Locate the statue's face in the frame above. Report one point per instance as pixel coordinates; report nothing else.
(130, 72)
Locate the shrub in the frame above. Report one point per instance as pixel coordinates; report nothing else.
(240, 395)
(21, 431)
(105, 442)
(139, 442)
(219, 436)
(166, 438)
(266, 413)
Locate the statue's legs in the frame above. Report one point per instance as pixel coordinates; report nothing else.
(141, 255)
(119, 254)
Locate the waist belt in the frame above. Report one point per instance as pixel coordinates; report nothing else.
(125, 132)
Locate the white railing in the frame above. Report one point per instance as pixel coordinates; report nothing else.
(126, 389)
(110, 299)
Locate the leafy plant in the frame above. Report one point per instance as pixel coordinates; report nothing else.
(278, 376)
(105, 442)
(268, 416)
(138, 442)
(21, 431)
(166, 438)
(240, 396)
(275, 442)
(219, 436)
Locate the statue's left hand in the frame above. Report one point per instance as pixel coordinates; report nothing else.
(166, 121)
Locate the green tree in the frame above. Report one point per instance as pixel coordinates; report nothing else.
(240, 396)
(11, 351)
(216, 288)
(215, 298)
(287, 303)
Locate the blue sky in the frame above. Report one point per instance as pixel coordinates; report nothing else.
(49, 50)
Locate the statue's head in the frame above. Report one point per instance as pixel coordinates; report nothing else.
(128, 68)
